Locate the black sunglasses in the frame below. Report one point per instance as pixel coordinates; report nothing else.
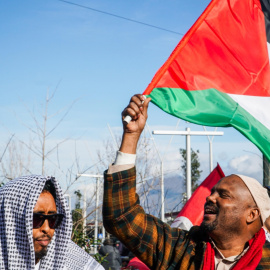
(54, 220)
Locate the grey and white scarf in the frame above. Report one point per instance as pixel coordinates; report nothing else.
(17, 201)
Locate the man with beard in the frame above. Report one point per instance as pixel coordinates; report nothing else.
(230, 236)
(36, 226)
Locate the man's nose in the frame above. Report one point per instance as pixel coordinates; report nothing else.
(211, 198)
(45, 226)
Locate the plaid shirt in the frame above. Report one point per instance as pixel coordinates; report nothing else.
(155, 243)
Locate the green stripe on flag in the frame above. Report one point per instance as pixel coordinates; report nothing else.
(212, 108)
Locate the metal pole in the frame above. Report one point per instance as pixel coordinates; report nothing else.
(188, 133)
(96, 216)
(210, 149)
(195, 133)
(210, 156)
(103, 233)
(84, 213)
(188, 165)
(97, 176)
(162, 194)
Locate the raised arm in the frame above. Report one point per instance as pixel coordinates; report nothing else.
(153, 241)
(137, 109)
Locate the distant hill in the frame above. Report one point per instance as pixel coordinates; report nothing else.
(173, 190)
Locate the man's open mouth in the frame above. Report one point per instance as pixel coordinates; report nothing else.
(210, 210)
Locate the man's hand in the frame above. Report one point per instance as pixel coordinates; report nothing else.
(137, 110)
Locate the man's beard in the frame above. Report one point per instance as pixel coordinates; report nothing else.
(209, 227)
(41, 254)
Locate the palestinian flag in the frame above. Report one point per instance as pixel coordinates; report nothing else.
(192, 212)
(219, 73)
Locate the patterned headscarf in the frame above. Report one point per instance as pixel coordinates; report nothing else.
(17, 201)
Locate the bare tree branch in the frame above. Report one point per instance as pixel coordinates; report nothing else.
(7, 145)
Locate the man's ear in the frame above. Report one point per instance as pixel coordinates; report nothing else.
(254, 213)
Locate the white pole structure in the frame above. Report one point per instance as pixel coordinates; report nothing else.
(84, 212)
(188, 165)
(103, 233)
(97, 176)
(96, 217)
(210, 156)
(210, 150)
(162, 193)
(188, 133)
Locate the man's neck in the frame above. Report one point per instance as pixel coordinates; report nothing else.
(231, 245)
(230, 248)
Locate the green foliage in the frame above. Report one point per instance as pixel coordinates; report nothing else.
(78, 234)
(99, 258)
(82, 240)
(78, 199)
(77, 219)
(86, 243)
(195, 165)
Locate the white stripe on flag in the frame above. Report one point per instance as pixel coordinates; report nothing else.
(258, 107)
(182, 223)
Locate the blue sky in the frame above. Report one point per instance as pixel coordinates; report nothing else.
(100, 61)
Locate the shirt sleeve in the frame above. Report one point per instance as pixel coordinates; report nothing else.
(153, 241)
(123, 161)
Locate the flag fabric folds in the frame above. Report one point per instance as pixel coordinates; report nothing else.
(219, 73)
(192, 212)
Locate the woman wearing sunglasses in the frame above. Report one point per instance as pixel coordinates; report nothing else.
(35, 228)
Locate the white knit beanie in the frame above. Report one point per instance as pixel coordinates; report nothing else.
(259, 194)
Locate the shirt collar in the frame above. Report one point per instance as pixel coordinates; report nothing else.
(232, 259)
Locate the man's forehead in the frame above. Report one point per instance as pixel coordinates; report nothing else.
(45, 201)
(232, 182)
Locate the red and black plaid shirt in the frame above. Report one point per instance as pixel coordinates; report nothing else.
(154, 242)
